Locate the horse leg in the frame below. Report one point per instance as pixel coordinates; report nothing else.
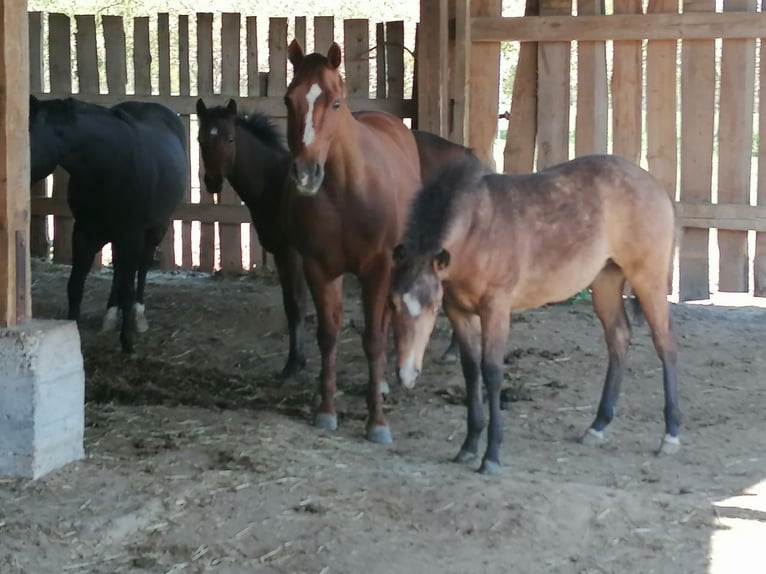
(654, 304)
(127, 254)
(328, 299)
(111, 316)
(83, 252)
(606, 293)
(375, 285)
(452, 352)
(153, 239)
(495, 327)
(293, 284)
(466, 329)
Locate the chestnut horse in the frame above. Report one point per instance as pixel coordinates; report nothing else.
(485, 244)
(355, 176)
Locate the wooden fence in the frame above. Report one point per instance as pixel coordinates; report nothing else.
(181, 63)
(652, 86)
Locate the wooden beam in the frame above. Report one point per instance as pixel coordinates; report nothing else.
(432, 50)
(627, 73)
(460, 76)
(592, 99)
(15, 300)
(659, 26)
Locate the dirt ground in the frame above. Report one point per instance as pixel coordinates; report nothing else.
(199, 461)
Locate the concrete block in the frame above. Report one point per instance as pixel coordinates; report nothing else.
(42, 397)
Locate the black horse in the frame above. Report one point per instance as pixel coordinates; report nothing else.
(128, 172)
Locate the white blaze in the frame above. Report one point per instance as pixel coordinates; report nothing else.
(408, 374)
(413, 305)
(308, 131)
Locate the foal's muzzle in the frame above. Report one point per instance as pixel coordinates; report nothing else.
(308, 176)
(213, 183)
(408, 373)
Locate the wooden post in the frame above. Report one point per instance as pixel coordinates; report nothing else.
(380, 60)
(205, 88)
(735, 144)
(356, 34)
(38, 233)
(166, 256)
(432, 51)
(626, 90)
(257, 253)
(553, 92)
(460, 96)
(324, 33)
(592, 102)
(519, 152)
(760, 237)
(184, 89)
(484, 82)
(15, 300)
(697, 101)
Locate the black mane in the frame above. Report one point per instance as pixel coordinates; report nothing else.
(262, 128)
(432, 209)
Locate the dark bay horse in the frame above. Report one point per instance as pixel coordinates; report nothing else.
(485, 244)
(250, 153)
(128, 173)
(355, 176)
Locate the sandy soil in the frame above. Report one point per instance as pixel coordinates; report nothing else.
(199, 461)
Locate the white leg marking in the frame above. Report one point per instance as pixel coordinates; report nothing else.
(141, 325)
(308, 131)
(413, 305)
(110, 319)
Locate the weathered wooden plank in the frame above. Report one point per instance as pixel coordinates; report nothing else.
(380, 60)
(697, 108)
(627, 90)
(254, 88)
(60, 60)
(38, 233)
(324, 33)
(432, 54)
(735, 140)
(277, 57)
(205, 89)
(759, 262)
(166, 250)
(357, 57)
(300, 30)
(87, 57)
(395, 59)
(184, 85)
(519, 151)
(685, 26)
(15, 299)
(114, 49)
(142, 56)
(661, 123)
(460, 76)
(592, 98)
(553, 93)
(484, 79)
(230, 235)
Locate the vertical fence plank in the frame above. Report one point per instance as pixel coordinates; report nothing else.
(60, 60)
(395, 59)
(661, 84)
(626, 90)
(735, 142)
(184, 89)
(38, 234)
(205, 88)
(324, 33)
(519, 151)
(166, 251)
(277, 56)
(142, 57)
(356, 54)
(114, 48)
(257, 253)
(432, 51)
(592, 100)
(459, 80)
(381, 86)
(230, 234)
(553, 92)
(300, 30)
(484, 80)
(697, 109)
(760, 237)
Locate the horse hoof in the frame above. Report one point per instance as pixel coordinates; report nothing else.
(384, 388)
(110, 320)
(489, 467)
(593, 437)
(464, 456)
(379, 434)
(669, 445)
(292, 368)
(326, 421)
(139, 321)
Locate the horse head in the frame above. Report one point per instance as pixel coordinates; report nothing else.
(314, 99)
(217, 142)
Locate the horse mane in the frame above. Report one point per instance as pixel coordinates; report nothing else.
(432, 209)
(260, 126)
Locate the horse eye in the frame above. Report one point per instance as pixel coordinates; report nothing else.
(231, 140)
(336, 104)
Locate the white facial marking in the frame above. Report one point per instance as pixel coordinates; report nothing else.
(308, 131)
(408, 374)
(414, 308)
(213, 132)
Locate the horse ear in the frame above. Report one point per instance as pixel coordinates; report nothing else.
(201, 107)
(441, 260)
(231, 107)
(398, 253)
(334, 55)
(295, 53)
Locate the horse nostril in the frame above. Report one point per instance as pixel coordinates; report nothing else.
(317, 170)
